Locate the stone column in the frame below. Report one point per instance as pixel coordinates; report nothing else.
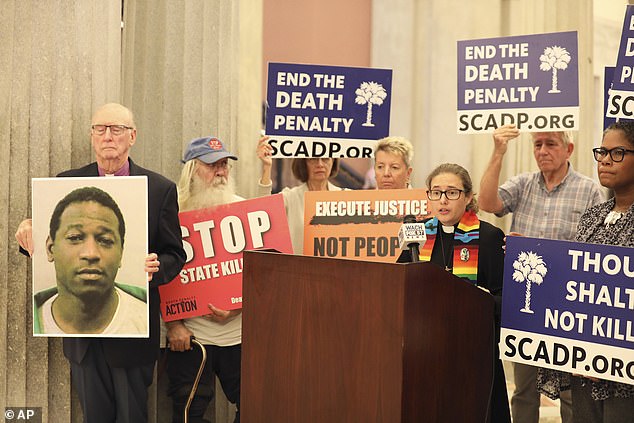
(57, 61)
(192, 68)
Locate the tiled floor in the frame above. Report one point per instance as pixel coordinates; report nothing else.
(549, 409)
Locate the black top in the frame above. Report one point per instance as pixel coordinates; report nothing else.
(164, 238)
(490, 276)
(490, 259)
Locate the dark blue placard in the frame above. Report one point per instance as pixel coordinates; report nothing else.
(563, 275)
(621, 102)
(608, 76)
(340, 106)
(538, 70)
(622, 80)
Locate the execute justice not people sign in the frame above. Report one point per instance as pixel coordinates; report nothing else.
(326, 111)
(569, 306)
(530, 81)
(214, 240)
(360, 224)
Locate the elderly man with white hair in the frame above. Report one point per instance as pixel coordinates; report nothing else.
(205, 182)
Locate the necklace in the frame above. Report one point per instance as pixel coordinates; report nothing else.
(442, 247)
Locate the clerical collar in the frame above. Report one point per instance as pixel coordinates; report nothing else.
(124, 171)
(448, 229)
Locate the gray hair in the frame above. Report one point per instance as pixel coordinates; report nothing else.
(564, 136)
(396, 145)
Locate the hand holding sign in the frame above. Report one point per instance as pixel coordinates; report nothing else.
(503, 135)
(264, 151)
(219, 315)
(214, 240)
(151, 265)
(24, 235)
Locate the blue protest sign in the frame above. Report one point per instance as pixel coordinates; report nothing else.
(620, 104)
(569, 306)
(326, 111)
(531, 81)
(608, 76)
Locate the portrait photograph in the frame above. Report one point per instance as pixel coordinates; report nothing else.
(90, 242)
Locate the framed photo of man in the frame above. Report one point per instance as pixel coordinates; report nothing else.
(89, 247)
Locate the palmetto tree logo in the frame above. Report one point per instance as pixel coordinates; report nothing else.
(529, 269)
(554, 58)
(370, 93)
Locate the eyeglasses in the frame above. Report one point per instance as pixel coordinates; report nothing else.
(114, 129)
(617, 154)
(450, 194)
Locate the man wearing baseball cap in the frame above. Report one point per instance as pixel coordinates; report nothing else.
(204, 183)
(208, 150)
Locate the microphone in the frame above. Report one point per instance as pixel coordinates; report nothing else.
(411, 235)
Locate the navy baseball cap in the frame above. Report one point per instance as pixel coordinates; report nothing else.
(207, 149)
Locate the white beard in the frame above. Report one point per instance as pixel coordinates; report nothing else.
(220, 191)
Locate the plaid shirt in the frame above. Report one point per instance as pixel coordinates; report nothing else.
(542, 214)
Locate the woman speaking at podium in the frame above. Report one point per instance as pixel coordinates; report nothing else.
(469, 248)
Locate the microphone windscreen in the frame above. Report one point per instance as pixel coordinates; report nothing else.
(411, 233)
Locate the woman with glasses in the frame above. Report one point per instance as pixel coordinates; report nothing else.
(612, 223)
(469, 248)
(314, 175)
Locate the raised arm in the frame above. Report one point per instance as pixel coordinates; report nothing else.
(264, 151)
(488, 198)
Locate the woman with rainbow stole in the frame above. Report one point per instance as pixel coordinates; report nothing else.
(469, 248)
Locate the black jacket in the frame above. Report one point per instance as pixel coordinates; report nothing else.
(490, 262)
(164, 237)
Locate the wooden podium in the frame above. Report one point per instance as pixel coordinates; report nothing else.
(334, 340)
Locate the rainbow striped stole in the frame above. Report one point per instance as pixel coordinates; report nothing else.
(466, 245)
(431, 228)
